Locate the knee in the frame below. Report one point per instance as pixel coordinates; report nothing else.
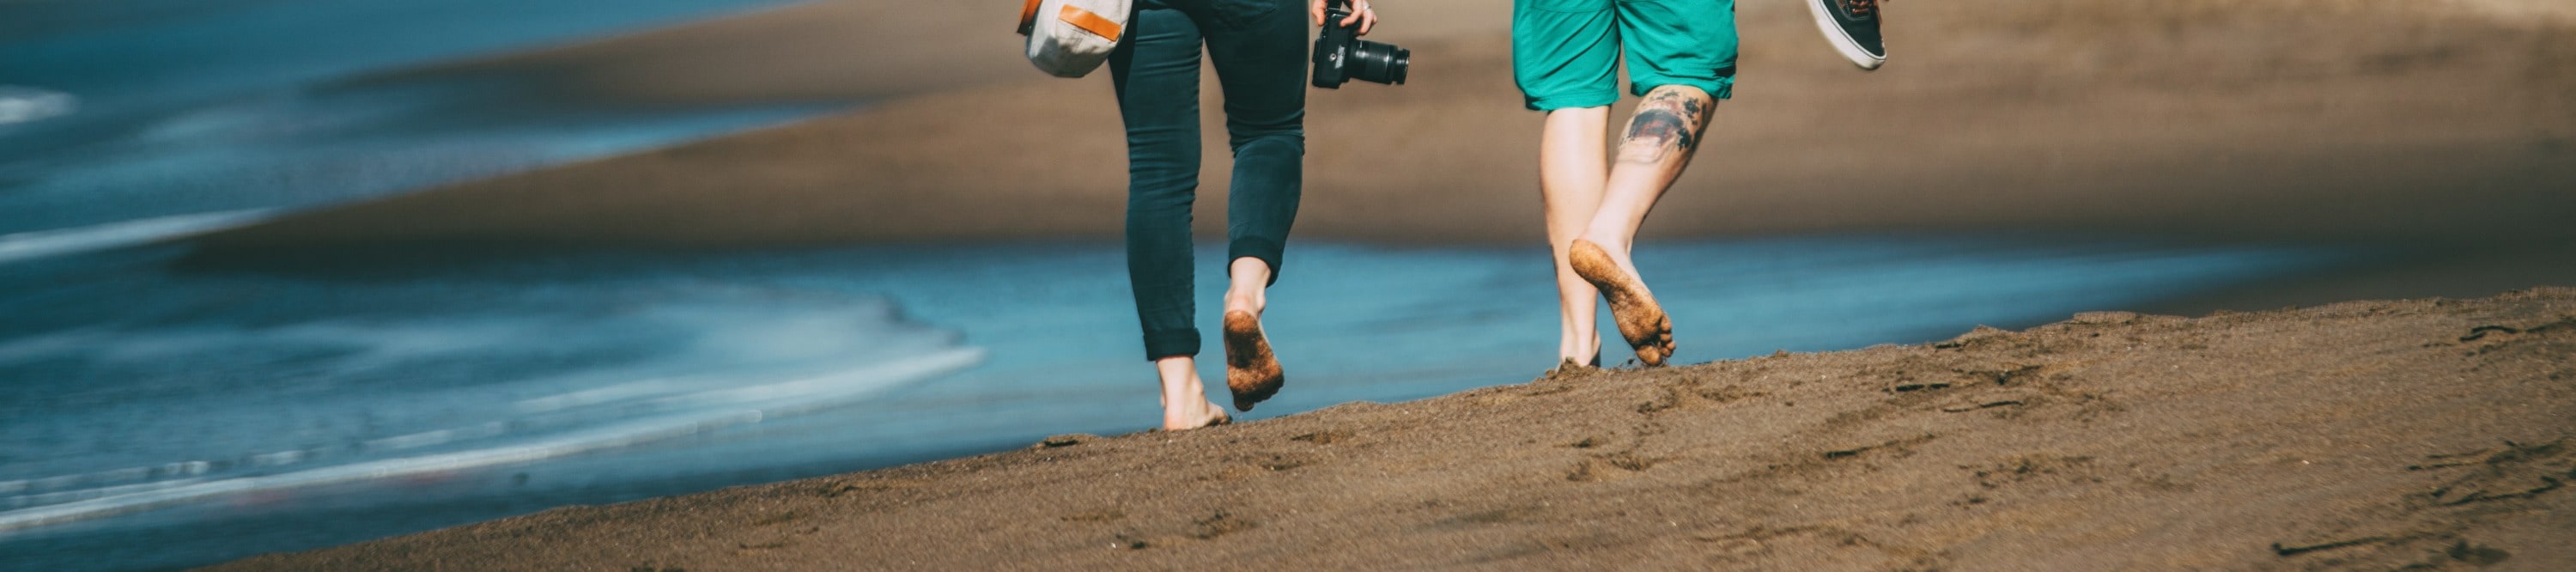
(1246, 126)
(1160, 186)
(1288, 135)
(1158, 164)
(1678, 93)
(1688, 104)
(1253, 145)
(1670, 119)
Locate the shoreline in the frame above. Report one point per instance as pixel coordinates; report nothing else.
(2410, 128)
(2302, 437)
(2374, 122)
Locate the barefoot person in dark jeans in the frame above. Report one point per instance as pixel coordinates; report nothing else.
(1259, 49)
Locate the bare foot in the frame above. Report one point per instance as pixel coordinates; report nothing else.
(1251, 372)
(1193, 414)
(1184, 399)
(1640, 319)
(1589, 354)
(1568, 365)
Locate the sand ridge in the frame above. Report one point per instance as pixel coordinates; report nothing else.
(2369, 435)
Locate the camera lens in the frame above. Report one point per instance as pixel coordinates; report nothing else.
(1380, 63)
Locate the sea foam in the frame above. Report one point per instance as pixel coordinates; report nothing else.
(25, 104)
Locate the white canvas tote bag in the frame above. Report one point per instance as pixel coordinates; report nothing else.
(1069, 38)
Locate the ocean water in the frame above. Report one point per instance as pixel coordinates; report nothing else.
(216, 410)
(160, 410)
(117, 115)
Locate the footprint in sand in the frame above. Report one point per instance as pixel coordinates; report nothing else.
(1251, 371)
(1640, 319)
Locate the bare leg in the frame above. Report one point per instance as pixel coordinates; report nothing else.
(1185, 404)
(1571, 169)
(1252, 372)
(1659, 142)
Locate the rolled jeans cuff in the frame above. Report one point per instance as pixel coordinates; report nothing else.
(1269, 251)
(1161, 344)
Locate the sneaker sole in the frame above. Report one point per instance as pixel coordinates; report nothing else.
(1842, 41)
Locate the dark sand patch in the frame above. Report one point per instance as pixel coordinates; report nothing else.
(2371, 435)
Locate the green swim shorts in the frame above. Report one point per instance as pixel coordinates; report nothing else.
(1565, 52)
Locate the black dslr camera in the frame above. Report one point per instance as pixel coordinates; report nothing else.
(1341, 56)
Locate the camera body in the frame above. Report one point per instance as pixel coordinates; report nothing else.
(1341, 56)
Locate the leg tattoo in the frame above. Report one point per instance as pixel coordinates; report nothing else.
(1669, 120)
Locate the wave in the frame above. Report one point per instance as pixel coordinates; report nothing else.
(44, 243)
(709, 410)
(25, 104)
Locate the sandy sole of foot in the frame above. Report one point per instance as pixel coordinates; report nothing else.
(1252, 372)
(1641, 321)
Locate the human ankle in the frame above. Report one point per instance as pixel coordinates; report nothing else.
(1616, 244)
(1183, 389)
(1249, 278)
(1240, 300)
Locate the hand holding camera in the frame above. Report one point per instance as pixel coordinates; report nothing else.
(1340, 56)
(1365, 18)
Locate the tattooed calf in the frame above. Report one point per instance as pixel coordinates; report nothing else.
(1668, 120)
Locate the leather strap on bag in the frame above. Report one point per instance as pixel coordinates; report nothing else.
(1089, 22)
(1029, 17)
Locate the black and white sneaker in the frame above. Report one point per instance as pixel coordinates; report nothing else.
(1852, 26)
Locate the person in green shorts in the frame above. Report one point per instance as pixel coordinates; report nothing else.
(1680, 56)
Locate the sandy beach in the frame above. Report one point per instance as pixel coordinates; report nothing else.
(2437, 136)
(2363, 435)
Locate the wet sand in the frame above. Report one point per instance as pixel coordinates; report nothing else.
(2367, 435)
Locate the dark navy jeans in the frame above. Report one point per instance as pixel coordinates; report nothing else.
(1259, 49)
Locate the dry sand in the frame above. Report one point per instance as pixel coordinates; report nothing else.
(2362, 435)
(2330, 120)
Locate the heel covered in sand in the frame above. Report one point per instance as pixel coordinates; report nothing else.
(1640, 319)
(1252, 373)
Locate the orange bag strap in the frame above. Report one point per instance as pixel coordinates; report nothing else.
(1029, 17)
(1090, 22)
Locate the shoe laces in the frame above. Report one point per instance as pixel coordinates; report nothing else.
(1861, 7)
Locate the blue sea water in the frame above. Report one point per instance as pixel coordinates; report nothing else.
(159, 410)
(133, 111)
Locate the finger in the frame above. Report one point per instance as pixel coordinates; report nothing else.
(1315, 11)
(1368, 23)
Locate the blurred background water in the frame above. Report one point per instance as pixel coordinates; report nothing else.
(133, 110)
(160, 411)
